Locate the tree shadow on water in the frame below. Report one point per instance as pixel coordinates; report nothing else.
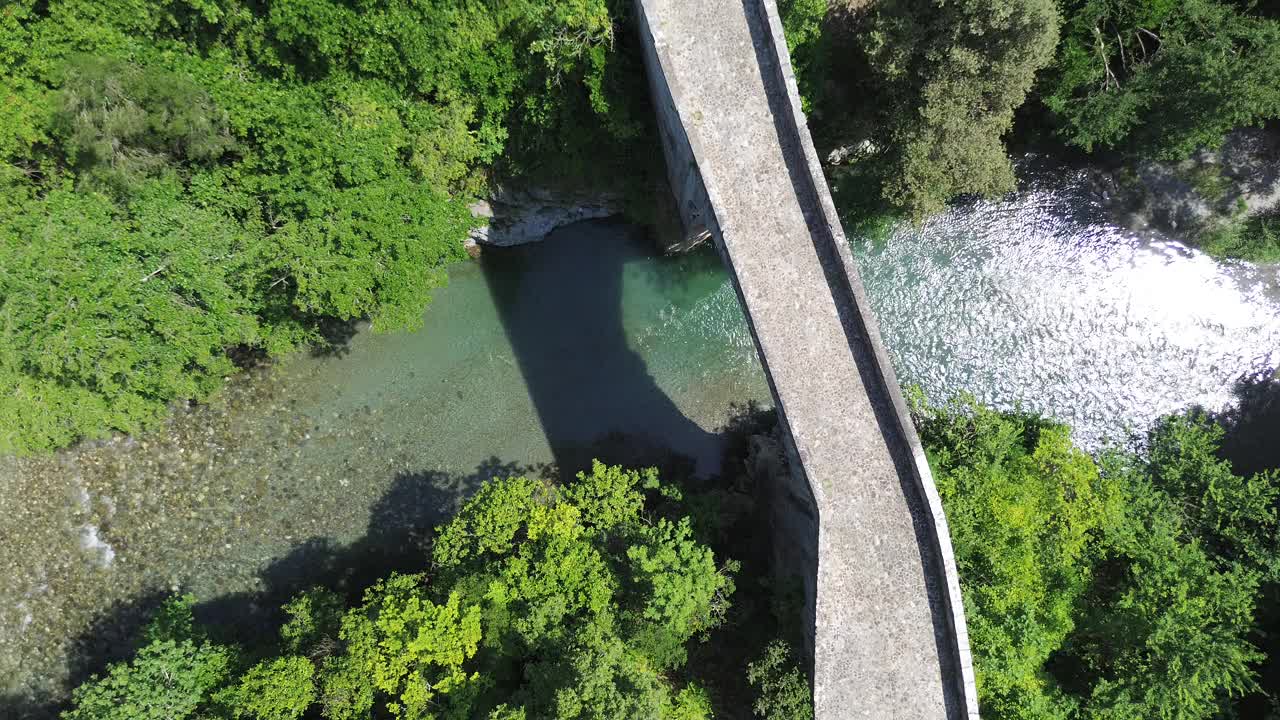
(560, 302)
(398, 539)
(1252, 440)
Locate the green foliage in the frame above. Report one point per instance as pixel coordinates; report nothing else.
(1209, 181)
(401, 646)
(949, 76)
(108, 313)
(172, 677)
(802, 26)
(543, 602)
(930, 87)
(280, 689)
(1024, 506)
(1234, 517)
(167, 680)
(1255, 238)
(315, 620)
(174, 621)
(118, 123)
(1121, 589)
(180, 177)
(1166, 633)
(1162, 77)
(782, 690)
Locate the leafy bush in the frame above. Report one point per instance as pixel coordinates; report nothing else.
(118, 122)
(166, 680)
(782, 688)
(802, 26)
(1123, 588)
(540, 602)
(1255, 238)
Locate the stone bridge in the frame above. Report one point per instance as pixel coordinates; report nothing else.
(858, 517)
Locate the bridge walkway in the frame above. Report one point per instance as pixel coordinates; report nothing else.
(887, 642)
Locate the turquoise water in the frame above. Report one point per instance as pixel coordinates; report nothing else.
(530, 356)
(331, 468)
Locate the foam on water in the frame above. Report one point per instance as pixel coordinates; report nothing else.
(1035, 302)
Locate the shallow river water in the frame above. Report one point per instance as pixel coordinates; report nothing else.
(531, 354)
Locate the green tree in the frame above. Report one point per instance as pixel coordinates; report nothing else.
(1162, 77)
(782, 688)
(279, 689)
(802, 22)
(949, 76)
(1026, 511)
(540, 601)
(171, 677)
(1124, 588)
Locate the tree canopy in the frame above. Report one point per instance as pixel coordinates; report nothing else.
(537, 601)
(1128, 587)
(950, 76)
(925, 93)
(1162, 77)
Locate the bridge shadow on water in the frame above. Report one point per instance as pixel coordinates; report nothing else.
(561, 304)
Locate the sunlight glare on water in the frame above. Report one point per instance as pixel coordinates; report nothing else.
(1034, 302)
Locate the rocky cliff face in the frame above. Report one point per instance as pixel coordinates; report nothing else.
(519, 216)
(516, 217)
(1240, 178)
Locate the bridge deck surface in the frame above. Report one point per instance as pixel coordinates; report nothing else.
(879, 653)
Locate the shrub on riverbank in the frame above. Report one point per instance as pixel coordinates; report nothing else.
(180, 177)
(1127, 587)
(536, 601)
(1255, 238)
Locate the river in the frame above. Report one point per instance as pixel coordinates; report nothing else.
(330, 467)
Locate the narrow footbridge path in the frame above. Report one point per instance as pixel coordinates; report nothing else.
(862, 522)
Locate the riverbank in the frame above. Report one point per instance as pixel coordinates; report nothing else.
(1225, 201)
(329, 465)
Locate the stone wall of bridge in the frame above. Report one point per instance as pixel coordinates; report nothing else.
(857, 514)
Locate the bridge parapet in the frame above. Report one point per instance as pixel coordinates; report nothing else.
(861, 516)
